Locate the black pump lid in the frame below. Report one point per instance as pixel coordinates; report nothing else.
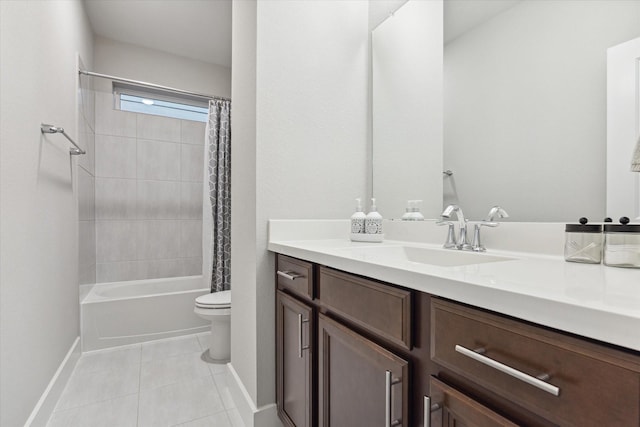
(624, 227)
(583, 227)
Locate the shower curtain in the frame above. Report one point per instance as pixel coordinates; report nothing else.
(216, 218)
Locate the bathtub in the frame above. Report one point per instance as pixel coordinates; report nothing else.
(120, 313)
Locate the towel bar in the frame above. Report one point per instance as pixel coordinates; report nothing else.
(55, 129)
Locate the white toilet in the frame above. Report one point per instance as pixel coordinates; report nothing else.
(216, 308)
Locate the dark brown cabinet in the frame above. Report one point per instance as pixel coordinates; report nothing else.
(449, 408)
(360, 382)
(346, 349)
(565, 380)
(295, 361)
(357, 352)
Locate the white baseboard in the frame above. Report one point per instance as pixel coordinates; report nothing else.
(252, 416)
(47, 402)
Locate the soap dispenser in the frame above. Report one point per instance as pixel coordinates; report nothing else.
(373, 224)
(358, 219)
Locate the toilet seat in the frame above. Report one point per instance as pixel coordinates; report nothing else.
(215, 300)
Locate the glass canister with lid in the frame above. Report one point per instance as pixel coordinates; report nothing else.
(622, 244)
(583, 242)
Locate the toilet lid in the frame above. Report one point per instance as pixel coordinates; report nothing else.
(220, 299)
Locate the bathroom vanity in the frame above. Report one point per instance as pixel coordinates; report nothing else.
(365, 339)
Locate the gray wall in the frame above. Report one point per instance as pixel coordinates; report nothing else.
(150, 65)
(39, 319)
(525, 109)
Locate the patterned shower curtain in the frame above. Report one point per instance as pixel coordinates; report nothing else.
(217, 197)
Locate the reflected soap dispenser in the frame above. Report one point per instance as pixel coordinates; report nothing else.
(373, 224)
(408, 211)
(413, 211)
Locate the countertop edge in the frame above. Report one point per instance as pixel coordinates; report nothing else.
(606, 326)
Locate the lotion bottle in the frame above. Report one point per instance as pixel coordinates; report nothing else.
(358, 219)
(373, 222)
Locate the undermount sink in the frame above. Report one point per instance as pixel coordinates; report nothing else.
(439, 257)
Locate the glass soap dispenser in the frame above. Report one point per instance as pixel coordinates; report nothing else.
(583, 242)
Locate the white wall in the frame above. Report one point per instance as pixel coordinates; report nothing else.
(525, 108)
(153, 66)
(304, 155)
(38, 209)
(243, 196)
(407, 109)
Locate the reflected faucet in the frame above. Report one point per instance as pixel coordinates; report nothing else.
(461, 241)
(496, 210)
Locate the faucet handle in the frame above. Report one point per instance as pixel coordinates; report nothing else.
(477, 245)
(451, 234)
(496, 211)
(485, 223)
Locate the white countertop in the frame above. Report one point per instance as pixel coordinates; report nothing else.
(594, 301)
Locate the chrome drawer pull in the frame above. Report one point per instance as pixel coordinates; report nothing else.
(389, 381)
(536, 382)
(290, 275)
(300, 346)
(428, 407)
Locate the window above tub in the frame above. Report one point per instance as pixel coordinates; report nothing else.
(151, 101)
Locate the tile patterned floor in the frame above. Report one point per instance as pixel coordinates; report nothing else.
(160, 383)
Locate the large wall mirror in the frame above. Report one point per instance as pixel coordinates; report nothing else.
(522, 119)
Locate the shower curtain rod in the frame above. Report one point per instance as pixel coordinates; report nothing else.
(152, 85)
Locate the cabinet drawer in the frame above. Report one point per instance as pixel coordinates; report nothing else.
(596, 385)
(381, 309)
(295, 276)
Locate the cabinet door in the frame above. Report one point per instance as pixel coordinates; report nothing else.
(447, 407)
(360, 382)
(294, 338)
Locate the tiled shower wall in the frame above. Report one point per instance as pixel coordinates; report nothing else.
(148, 194)
(86, 182)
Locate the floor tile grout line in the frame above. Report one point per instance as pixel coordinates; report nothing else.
(90, 372)
(202, 418)
(181, 381)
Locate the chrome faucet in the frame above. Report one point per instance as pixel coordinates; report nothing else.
(487, 222)
(461, 241)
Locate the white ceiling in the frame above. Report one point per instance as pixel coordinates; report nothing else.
(201, 29)
(196, 29)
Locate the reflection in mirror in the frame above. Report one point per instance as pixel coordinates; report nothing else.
(524, 106)
(407, 109)
(623, 129)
